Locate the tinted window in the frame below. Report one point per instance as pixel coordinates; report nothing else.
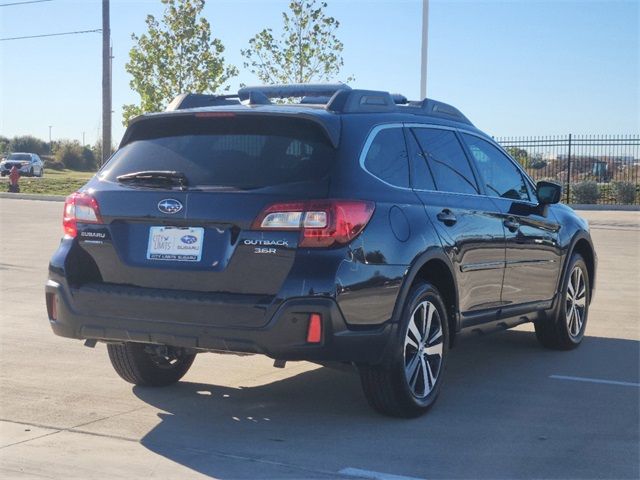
(502, 177)
(446, 160)
(241, 152)
(421, 177)
(19, 156)
(387, 157)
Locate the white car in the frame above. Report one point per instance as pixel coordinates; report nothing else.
(29, 164)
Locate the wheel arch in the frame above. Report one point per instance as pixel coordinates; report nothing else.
(434, 267)
(582, 244)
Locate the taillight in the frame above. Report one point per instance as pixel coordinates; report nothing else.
(322, 223)
(79, 208)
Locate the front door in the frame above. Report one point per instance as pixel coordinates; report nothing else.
(533, 256)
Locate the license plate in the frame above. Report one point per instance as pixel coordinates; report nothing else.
(178, 244)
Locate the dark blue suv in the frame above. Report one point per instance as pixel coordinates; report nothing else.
(352, 226)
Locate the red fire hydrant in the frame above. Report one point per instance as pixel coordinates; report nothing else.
(14, 176)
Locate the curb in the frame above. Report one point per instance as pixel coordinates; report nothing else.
(33, 196)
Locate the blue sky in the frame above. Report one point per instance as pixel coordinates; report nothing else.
(513, 67)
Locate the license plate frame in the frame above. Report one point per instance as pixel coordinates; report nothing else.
(175, 244)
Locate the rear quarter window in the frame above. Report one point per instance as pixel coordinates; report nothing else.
(386, 157)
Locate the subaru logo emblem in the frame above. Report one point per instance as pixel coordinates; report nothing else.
(169, 205)
(189, 239)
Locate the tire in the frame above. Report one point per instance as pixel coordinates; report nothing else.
(31, 174)
(409, 383)
(41, 174)
(565, 329)
(149, 365)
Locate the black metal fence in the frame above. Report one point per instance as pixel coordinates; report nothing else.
(602, 169)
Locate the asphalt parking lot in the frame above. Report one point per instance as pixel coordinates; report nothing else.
(509, 409)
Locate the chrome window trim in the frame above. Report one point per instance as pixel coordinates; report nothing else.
(383, 126)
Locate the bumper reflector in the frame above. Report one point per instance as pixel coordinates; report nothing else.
(52, 310)
(314, 333)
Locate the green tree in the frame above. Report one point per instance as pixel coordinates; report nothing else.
(176, 55)
(519, 154)
(29, 144)
(308, 49)
(4, 144)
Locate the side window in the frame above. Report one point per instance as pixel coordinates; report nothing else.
(502, 177)
(387, 157)
(421, 176)
(446, 160)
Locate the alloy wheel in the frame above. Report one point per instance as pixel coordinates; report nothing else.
(576, 302)
(423, 346)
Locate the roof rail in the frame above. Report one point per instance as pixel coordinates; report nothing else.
(440, 109)
(336, 97)
(361, 101)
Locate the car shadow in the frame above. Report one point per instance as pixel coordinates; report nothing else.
(499, 406)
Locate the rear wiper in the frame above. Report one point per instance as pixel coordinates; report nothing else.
(156, 178)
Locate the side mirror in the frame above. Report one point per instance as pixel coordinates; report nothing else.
(548, 192)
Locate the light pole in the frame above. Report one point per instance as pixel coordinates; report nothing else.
(425, 37)
(106, 83)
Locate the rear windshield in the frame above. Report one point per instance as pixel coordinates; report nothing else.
(238, 152)
(19, 156)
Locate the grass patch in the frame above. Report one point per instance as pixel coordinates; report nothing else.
(54, 182)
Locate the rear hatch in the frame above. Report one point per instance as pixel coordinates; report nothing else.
(195, 236)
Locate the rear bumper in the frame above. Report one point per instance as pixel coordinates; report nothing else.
(282, 336)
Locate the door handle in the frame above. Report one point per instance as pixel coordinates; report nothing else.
(447, 217)
(512, 224)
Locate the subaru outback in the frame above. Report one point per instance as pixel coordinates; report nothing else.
(350, 226)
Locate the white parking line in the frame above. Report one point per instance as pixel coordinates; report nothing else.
(356, 472)
(595, 380)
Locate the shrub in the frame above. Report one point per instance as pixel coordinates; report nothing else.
(74, 156)
(70, 155)
(538, 164)
(585, 192)
(625, 192)
(53, 164)
(89, 157)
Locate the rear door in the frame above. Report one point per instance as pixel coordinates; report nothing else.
(200, 239)
(532, 251)
(467, 222)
